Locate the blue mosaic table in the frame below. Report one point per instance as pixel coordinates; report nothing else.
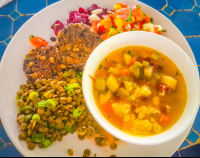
(185, 14)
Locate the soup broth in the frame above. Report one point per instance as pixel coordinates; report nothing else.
(139, 90)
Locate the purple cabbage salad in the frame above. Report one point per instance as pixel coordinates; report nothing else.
(80, 16)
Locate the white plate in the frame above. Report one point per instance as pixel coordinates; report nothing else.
(12, 76)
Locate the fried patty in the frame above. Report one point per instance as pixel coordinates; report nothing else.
(75, 44)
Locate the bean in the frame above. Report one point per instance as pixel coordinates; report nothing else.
(50, 119)
(31, 146)
(47, 113)
(26, 94)
(38, 81)
(73, 103)
(113, 146)
(63, 94)
(63, 99)
(112, 156)
(103, 143)
(39, 86)
(59, 138)
(23, 86)
(70, 152)
(20, 103)
(44, 81)
(28, 140)
(77, 91)
(73, 81)
(53, 139)
(24, 134)
(81, 137)
(24, 126)
(85, 155)
(40, 111)
(87, 151)
(21, 138)
(69, 99)
(41, 145)
(61, 90)
(74, 97)
(20, 92)
(29, 132)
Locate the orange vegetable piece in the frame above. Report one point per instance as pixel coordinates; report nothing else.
(94, 26)
(107, 108)
(137, 13)
(38, 42)
(104, 36)
(106, 23)
(119, 5)
(164, 120)
(125, 72)
(147, 19)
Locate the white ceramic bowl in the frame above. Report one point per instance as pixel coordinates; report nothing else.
(167, 47)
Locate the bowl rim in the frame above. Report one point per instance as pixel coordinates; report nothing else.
(88, 102)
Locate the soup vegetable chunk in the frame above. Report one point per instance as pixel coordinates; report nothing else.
(139, 90)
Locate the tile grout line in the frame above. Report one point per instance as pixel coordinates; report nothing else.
(195, 2)
(192, 36)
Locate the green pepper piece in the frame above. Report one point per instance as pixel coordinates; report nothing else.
(38, 138)
(50, 104)
(27, 117)
(47, 143)
(36, 117)
(72, 86)
(71, 92)
(33, 95)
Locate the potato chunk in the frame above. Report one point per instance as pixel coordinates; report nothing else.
(112, 83)
(103, 98)
(121, 109)
(169, 81)
(100, 84)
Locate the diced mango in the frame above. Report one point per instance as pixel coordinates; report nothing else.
(103, 98)
(100, 84)
(169, 81)
(112, 83)
(117, 6)
(119, 22)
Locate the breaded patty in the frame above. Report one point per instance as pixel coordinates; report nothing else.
(76, 43)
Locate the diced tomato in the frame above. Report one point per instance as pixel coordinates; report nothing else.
(104, 36)
(94, 25)
(112, 16)
(147, 19)
(164, 120)
(125, 72)
(137, 13)
(38, 42)
(155, 29)
(123, 13)
(102, 28)
(107, 108)
(160, 32)
(114, 25)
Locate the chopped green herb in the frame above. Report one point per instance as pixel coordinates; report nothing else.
(108, 116)
(106, 59)
(163, 58)
(144, 14)
(106, 91)
(118, 32)
(41, 104)
(28, 108)
(77, 113)
(100, 40)
(22, 109)
(50, 104)
(100, 67)
(71, 92)
(69, 129)
(110, 34)
(52, 126)
(71, 86)
(27, 117)
(164, 30)
(130, 15)
(138, 6)
(79, 74)
(114, 63)
(31, 37)
(177, 73)
(130, 53)
(38, 138)
(105, 68)
(151, 19)
(47, 143)
(36, 117)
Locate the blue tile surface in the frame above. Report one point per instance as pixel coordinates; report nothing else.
(181, 4)
(185, 144)
(19, 22)
(196, 9)
(52, 1)
(25, 7)
(187, 20)
(193, 137)
(8, 9)
(4, 136)
(10, 151)
(194, 44)
(5, 27)
(192, 151)
(14, 15)
(165, 14)
(2, 49)
(159, 4)
(175, 154)
(168, 10)
(189, 25)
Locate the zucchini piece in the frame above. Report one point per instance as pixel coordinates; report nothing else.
(114, 71)
(138, 64)
(135, 70)
(112, 83)
(100, 84)
(157, 76)
(148, 71)
(123, 92)
(145, 63)
(103, 98)
(145, 90)
(155, 56)
(169, 81)
(127, 59)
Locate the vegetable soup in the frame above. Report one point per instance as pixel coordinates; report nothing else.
(139, 90)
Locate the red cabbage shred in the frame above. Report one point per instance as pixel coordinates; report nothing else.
(57, 27)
